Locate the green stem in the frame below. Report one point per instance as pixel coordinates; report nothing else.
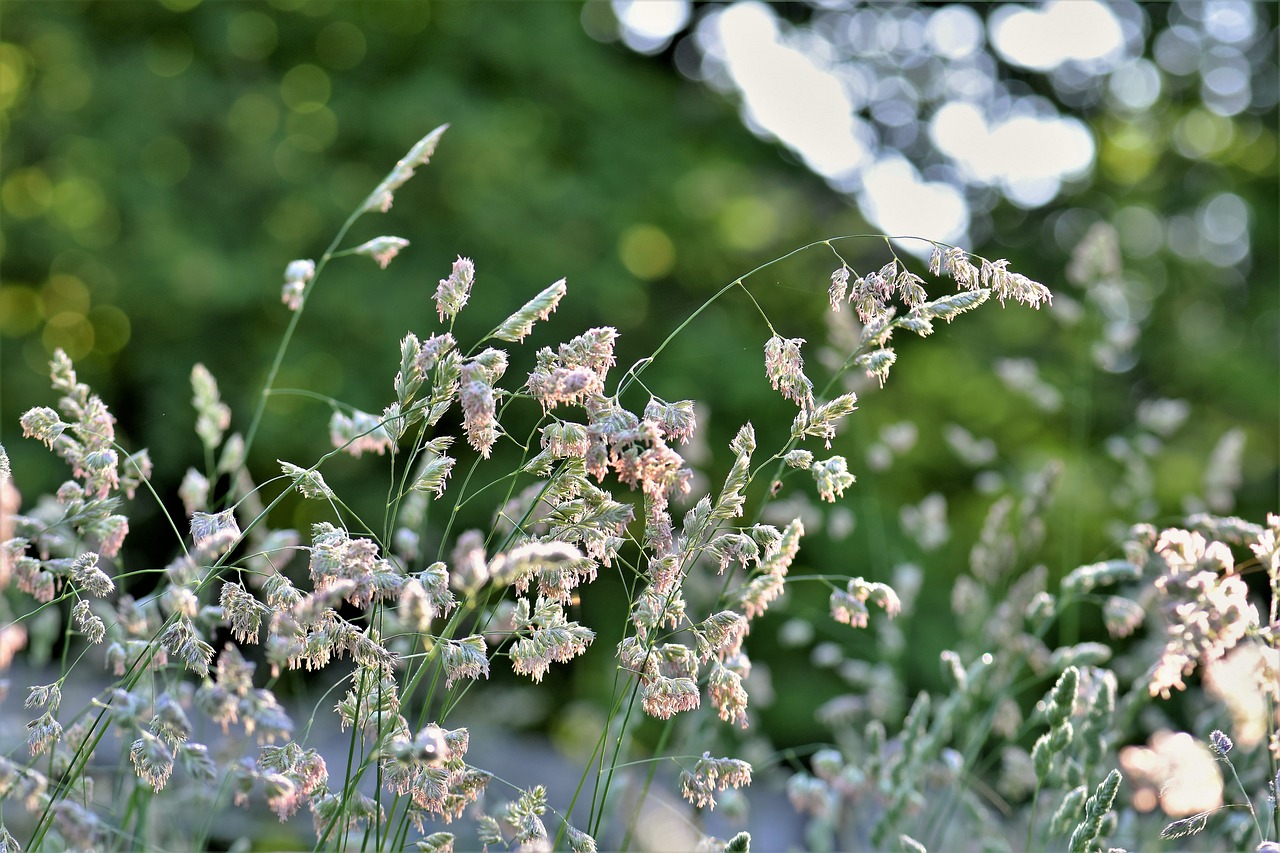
(634, 373)
(296, 316)
(1248, 801)
(648, 783)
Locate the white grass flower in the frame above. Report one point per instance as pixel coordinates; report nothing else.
(88, 623)
(170, 722)
(43, 424)
(179, 598)
(810, 795)
(194, 492)
(563, 439)
(359, 432)
(710, 775)
(436, 842)
(194, 759)
(664, 697)
(135, 470)
(910, 288)
(833, 477)
(518, 326)
(1004, 284)
(570, 385)
(42, 732)
(877, 363)
(949, 307)
(99, 468)
(558, 565)
(47, 696)
(469, 569)
(678, 420)
(152, 760)
(935, 260)
(453, 292)
(1069, 811)
(848, 609)
(381, 249)
(784, 366)
(465, 658)
(732, 497)
(1088, 578)
(579, 841)
(181, 640)
(728, 696)
(720, 634)
(310, 484)
(210, 530)
(242, 612)
(213, 417)
(419, 155)
(432, 351)
(1195, 824)
(822, 421)
(1122, 616)
(431, 746)
(731, 546)
(955, 263)
(839, 287)
(416, 609)
(350, 567)
(296, 277)
(479, 404)
(291, 776)
(86, 574)
(849, 606)
(1202, 595)
(555, 639)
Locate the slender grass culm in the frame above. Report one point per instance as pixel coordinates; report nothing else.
(410, 613)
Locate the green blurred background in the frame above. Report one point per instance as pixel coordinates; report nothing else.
(164, 161)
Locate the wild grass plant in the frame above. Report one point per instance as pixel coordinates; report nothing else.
(1032, 745)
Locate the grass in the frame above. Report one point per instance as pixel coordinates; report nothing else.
(402, 618)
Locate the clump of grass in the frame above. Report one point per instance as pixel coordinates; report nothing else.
(411, 613)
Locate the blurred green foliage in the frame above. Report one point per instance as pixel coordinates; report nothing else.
(163, 162)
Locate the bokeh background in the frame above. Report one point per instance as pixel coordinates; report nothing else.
(163, 162)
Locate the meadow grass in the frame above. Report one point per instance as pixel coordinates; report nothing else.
(1035, 743)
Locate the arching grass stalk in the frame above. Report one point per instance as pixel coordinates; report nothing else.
(513, 588)
(380, 199)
